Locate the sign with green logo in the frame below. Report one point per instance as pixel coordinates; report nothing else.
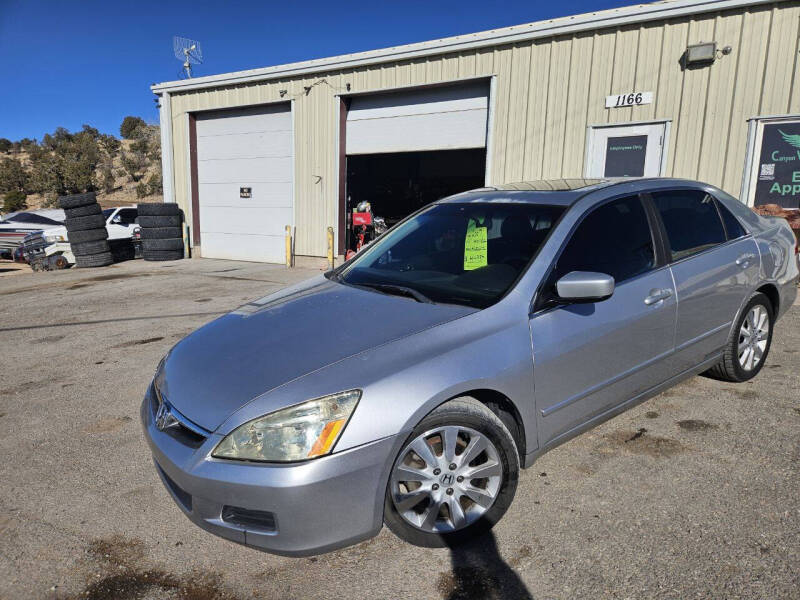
(476, 253)
(779, 166)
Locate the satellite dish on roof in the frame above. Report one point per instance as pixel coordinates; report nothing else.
(188, 51)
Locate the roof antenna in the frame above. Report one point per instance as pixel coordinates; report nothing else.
(189, 52)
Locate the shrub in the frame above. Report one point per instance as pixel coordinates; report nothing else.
(140, 146)
(154, 184)
(142, 190)
(14, 201)
(107, 179)
(133, 163)
(130, 127)
(5, 145)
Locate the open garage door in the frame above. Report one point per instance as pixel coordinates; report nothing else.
(245, 182)
(440, 118)
(409, 148)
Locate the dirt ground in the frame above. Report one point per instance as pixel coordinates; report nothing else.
(692, 494)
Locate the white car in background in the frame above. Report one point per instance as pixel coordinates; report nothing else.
(121, 222)
(16, 225)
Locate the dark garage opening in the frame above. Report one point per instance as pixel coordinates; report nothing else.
(398, 184)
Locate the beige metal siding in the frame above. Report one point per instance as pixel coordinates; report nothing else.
(547, 92)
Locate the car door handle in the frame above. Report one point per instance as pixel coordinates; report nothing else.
(745, 259)
(657, 295)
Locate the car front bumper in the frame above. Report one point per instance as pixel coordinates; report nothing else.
(295, 509)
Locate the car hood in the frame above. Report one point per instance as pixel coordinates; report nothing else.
(227, 363)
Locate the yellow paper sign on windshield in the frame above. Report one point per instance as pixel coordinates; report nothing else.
(475, 251)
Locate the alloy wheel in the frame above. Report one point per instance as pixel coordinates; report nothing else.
(446, 479)
(753, 337)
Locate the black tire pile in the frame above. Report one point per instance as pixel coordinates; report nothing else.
(162, 234)
(86, 230)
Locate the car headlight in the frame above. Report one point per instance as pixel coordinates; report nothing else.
(54, 237)
(300, 432)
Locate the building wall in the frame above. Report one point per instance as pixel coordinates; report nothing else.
(546, 93)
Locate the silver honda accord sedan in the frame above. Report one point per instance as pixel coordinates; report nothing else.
(411, 384)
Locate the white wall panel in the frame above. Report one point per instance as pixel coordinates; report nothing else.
(443, 118)
(246, 145)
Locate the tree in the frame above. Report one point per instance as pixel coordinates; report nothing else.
(47, 175)
(109, 144)
(14, 201)
(130, 127)
(5, 145)
(13, 176)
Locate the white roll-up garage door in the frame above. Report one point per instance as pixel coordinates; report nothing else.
(440, 118)
(245, 182)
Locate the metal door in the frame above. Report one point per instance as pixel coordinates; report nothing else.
(626, 150)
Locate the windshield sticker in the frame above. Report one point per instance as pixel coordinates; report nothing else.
(475, 247)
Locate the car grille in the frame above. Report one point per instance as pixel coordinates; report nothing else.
(183, 430)
(34, 244)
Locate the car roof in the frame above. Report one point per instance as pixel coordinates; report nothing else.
(562, 192)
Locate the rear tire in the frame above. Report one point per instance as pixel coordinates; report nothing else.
(87, 248)
(146, 221)
(161, 233)
(83, 211)
(77, 200)
(158, 245)
(745, 353)
(155, 209)
(87, 235)
(84, 223)
(452, 507)
(159, 255)
(94, 260)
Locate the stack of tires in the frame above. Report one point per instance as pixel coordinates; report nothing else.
(86, 230)
(162, 234)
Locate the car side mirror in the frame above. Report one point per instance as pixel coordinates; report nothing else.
(116, 220)
(584, 286)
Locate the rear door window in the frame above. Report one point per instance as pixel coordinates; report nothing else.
(733, 228)
(691, 220)
(127, 216)
(614, 239)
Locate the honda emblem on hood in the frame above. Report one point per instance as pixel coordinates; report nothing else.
(164, 417)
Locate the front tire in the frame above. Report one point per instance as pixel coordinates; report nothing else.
(749, 342)
(454, 477)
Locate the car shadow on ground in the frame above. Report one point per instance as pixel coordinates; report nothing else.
(479, 572)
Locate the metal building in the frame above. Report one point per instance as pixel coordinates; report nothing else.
(703, 89)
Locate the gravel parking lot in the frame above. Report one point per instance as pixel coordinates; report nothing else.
(692, 494)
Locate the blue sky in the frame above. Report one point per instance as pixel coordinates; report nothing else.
(84, 61)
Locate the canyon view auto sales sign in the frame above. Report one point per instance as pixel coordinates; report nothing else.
(779, 166)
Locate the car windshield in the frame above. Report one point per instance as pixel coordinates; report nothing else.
(467, 254)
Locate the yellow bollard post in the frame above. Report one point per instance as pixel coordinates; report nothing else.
(186, 247)
(330, 247)
(288, 246)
